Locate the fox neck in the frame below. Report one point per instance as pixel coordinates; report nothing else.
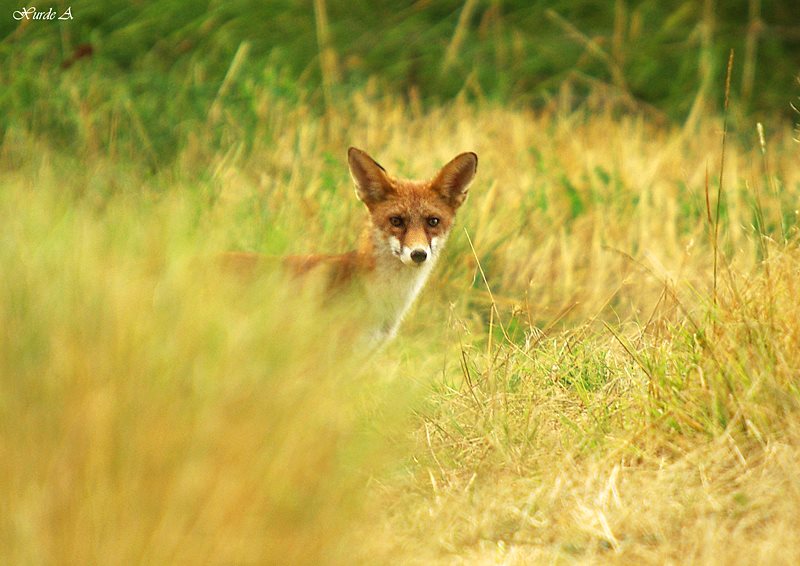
(392, 286)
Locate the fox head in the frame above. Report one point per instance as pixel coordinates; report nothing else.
(412, 218)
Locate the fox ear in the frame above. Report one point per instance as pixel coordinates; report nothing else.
(372, 183)
(453, 180)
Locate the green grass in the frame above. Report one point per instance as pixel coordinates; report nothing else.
(157, 69)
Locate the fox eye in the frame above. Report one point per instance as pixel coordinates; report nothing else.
(433, 221)
(396, 221)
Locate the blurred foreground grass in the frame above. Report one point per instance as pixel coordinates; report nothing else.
(152, 412)
(589, 402)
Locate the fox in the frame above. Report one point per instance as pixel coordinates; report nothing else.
(407, 225)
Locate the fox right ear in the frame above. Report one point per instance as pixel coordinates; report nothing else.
(372, 183)
(453, 180)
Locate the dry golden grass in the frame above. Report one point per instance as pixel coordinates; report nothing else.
(674, 445)
(587, 402)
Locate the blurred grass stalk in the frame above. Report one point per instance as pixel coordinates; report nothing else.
(329, 65)
(451, 53)
(755, 27)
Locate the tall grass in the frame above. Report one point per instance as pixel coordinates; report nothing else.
(564, 391)
(152, 411)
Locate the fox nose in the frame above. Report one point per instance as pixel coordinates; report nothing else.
(418, 256)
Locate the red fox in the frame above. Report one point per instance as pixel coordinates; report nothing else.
(407, 227)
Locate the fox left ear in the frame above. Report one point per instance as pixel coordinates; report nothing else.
(372, 183)
(452, 182)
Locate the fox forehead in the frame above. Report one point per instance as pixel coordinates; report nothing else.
(412, 199)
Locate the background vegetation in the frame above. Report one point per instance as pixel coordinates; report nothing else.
(148, 62)
(604, 368)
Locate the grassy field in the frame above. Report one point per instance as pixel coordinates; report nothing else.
(604, 367)
(578, 389)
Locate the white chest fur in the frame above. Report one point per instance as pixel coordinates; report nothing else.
(391, 291)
